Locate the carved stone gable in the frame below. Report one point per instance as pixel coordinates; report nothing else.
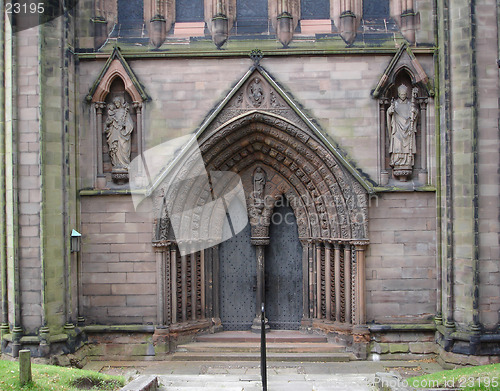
(256, 93)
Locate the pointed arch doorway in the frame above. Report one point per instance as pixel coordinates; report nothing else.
(259, 135)
(283, 276)
(283, 271)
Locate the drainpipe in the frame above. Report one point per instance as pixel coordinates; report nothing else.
(4, 326)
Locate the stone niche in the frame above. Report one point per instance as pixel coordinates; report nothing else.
(403, 94)
(117, 100)
(128, 119)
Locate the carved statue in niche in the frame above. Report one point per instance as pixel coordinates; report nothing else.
(259, 182)
(402, 123)
(119, 127)
(256, 92)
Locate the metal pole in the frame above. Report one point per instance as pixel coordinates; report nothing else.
(263, 365)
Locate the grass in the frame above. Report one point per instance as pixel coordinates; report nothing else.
(481, 378)
(49, 377)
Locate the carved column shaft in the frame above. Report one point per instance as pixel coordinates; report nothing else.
(328, 281)
(203, 274)
(318, 281)
(423, 139)
(384, 175)
(193, 285)
(215, 278)
(160, 268)
(138, 111)
(99, 106)
(261, 291)
(305, 278)
(360, 284)
(347, 283)
(260, 244)
(184, 293)
(338, 304)
(310, 262)
(173, 268)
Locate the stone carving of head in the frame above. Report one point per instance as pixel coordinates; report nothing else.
(402, 92)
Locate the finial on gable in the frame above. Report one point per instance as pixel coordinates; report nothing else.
(256, 55)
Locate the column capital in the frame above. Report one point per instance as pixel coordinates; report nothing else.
(100, 106)
(360, 245)
(260, 241)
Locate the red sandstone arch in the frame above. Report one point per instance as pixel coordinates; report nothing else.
(328, 202)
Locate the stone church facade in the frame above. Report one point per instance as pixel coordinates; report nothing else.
(350, 149)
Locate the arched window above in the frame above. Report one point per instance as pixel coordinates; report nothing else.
(252, 16)
(376, 9)
(314, 9)
(188, 10)
(130, 18)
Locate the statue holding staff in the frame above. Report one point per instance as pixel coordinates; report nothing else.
(402, 126)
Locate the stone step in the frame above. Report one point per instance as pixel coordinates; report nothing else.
(275, 383)
(255, 356)
(254, 347)
(274, 336)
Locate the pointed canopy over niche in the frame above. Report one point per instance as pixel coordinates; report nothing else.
(116, 66)
(403, 60)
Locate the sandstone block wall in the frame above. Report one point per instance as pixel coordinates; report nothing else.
(401, 259)
(29, 183)
(118, 263)
(333, 90)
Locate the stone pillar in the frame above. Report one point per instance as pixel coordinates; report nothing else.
(328, 281)
(173, 289)
(101, 179)
(160, 272)
(260, 244)
(202, 288)
(360, 283)
(24, 367)
(192, 266)
(347, 283)
(138, 112)
(338, 287)
(44, 336)
(305, 278)
(184, 293)
(318, 280)
(310, 264)
(4, 326)
(384, 174)
(422, 176)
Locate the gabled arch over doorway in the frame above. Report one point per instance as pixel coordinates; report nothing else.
(259, 129)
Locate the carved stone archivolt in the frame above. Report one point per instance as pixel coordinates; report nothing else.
(328, 201)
